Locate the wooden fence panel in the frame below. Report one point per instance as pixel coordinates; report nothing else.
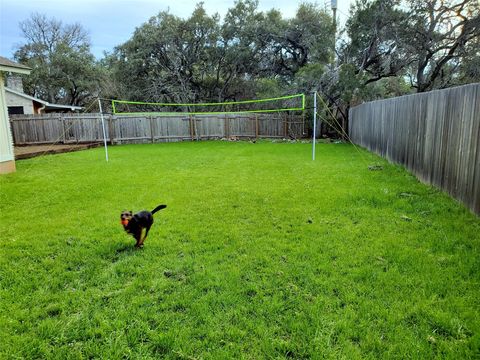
(83, 128)
(271, 126)
(75, 128)
(132, 129)
(436, 135)
(37, 129)
(172, 128)
(209, 127)
(242, 126)
(296, 127)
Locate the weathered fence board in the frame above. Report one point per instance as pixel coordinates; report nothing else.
(207, 127)
(38, 130)
(171, 128)
(76, 128)
(436, 135)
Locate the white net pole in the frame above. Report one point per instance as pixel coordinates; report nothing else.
(104, 132)
(314, 123)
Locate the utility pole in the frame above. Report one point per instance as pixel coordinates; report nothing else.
(333, 5)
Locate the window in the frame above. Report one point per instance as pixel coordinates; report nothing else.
(15, 110)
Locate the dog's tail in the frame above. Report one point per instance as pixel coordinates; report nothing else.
(159, 207)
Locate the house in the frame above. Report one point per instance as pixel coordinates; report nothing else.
(20, 103)
(7, 156)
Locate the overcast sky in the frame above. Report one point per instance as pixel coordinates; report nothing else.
(112, 22)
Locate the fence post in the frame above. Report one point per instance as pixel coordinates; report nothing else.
(111, 132)
(191, 126)
(225, 130)
(303, 123)
(152, 129)
(227, 135)
(195, 128)
(62, 122)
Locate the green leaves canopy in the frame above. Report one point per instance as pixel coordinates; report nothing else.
(200, 58)
(63, 68)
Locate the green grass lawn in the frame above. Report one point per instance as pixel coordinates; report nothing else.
(261, 253)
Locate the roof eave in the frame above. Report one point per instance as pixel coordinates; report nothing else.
(43, 102)
(53, 106)
(25, 96)
(14, 69)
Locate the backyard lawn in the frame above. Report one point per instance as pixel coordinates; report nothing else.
(261, 253)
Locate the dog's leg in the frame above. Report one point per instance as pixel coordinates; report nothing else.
(138, 237)
(143, 236)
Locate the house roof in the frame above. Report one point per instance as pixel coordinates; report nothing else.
(43, 102)
(11, 66)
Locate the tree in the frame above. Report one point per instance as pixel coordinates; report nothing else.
(438, 36)
(201, 59)
(426, 40)
(63, 69)
(375, 30)
(309, 38)
(469, 69)
(168, 57)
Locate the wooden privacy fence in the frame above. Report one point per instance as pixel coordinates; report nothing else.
(78, 128)
(436, 135)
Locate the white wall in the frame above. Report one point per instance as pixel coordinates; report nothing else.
(6, 143)
(16, 100)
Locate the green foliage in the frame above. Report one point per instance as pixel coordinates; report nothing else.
(349, 83)
(314, 31)
(201, 59)
(390, 48)
(426, 41)
(261, 253)
(395, 47)
(63, 69)
(308, 77)
(268, 87)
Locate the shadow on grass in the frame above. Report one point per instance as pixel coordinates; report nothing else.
(116, 252)
(126, 249)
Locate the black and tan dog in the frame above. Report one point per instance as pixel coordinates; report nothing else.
(139, 224)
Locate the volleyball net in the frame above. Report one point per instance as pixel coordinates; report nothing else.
(279, 104)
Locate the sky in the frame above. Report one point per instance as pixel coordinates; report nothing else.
(112, 22)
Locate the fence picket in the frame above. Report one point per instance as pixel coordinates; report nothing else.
(436, 135)
(77, 128)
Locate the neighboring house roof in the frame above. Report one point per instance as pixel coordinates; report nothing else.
(8, 65)
(43, 102)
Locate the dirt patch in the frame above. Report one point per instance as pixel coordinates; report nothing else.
(26, 152)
